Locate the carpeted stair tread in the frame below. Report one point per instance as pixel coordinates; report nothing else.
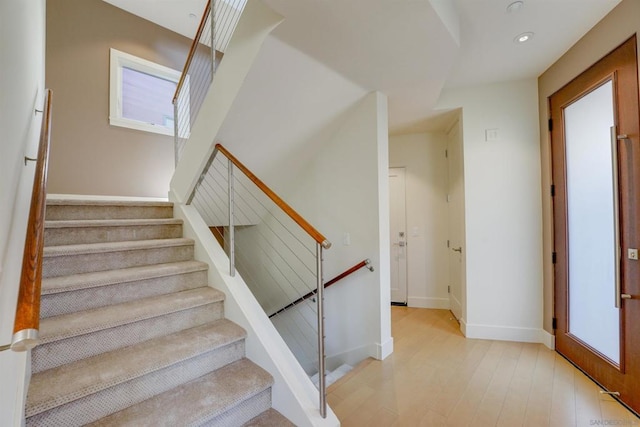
(93, 248)
(76, 380)
(269, 418)
(84, 322)
(84, 202)
(66, 260)
(111, 222)
(52, 285)
(110, 230)
(104, 209)
(198, 401)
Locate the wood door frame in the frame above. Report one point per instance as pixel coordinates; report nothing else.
(621, 63)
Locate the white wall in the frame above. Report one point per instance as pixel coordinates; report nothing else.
(423, 157)
(502, 210)
(22, 33)
(344, 189)
(337, 198)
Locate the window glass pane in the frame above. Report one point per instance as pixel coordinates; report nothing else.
(147, 98)
(593, 317)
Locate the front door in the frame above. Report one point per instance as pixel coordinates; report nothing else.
(398, 237)
(596, 176)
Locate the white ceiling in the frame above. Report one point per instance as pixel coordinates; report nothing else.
(408, 49)
(487, 51)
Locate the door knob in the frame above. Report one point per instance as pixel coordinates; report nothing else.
(626, 296)
(457, 249)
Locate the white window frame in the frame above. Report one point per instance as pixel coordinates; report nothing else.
(118, 60)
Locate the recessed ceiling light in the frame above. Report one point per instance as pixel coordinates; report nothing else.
(523, 38)
(515, 6)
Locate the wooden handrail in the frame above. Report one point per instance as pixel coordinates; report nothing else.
(315, 234)
(27, 320)
(192, 51)
(358, 266)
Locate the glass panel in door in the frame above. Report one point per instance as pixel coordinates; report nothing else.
(591, 221)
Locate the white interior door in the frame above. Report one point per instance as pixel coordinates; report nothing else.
(456, 220)
(398, 229)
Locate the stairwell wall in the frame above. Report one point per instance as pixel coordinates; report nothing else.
(343, 191)
(22, 40)
(89, 156)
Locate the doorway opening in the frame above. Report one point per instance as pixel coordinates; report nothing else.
(398, 235)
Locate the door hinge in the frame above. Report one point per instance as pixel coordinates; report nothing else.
(446, 153)
(554, 257)
(448, 243)
(448, 198)
(550, 125)
(554, 323)
(553, 190)
(448, 289)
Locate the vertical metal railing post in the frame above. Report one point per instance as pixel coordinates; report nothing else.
(175, 132)
(232, 261)
(321, 358)
(212, 13)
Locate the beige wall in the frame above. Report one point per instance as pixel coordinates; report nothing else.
(608, 34)
(89, 156)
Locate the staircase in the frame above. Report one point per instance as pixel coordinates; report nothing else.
(130, 332)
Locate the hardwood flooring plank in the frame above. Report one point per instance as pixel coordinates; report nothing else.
(436, 377)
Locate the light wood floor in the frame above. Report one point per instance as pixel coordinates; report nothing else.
(436, 377)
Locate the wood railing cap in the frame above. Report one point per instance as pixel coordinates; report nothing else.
(295, 216)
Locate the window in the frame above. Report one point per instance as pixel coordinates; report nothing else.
(141, 93)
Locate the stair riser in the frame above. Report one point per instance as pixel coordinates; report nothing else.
(101, 296)
(81, 235)
(102, 403)
(243, 412)
(63, 265)
(51, 355)
(75, 212)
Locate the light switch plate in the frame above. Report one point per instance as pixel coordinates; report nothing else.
(491, 135)
(346, 239)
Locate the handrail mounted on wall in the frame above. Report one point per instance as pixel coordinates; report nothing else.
(27, 320)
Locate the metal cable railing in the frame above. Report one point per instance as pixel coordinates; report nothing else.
(361, 264)
(217, 25)
(276, 251)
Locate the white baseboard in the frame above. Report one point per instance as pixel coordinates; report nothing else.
(463, 327)
(382, 351)
(426, 302)
(502, 333)
(548, 339)
(350, 357)
(356, 355)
